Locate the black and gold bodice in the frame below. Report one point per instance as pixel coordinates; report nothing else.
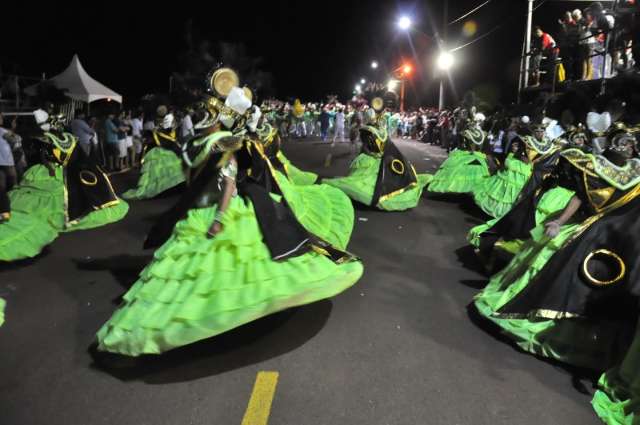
(58, 146)
(541, 153)
(596, 273)
(474, 139)
(599, 183)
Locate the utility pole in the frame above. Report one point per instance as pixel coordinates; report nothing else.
(527, 43)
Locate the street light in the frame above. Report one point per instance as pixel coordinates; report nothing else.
(404, 23)
(445, 61)
(358, 88)
(391, 85)
(362, 81)
(406, 69)
(374, 65)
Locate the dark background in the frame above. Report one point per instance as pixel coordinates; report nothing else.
(311, 48)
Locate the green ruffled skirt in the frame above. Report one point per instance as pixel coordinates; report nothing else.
(38, 215)
(574, 341)
(462, 172)
(617, 400)
(197, 287)
(497, 194)
(161, 170)
(296, 175)
(360, 184)
(551, 203)
(323, 210)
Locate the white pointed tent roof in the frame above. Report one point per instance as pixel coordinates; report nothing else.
(79, 85)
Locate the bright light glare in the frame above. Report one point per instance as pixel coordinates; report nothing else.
(358, 87)
(445, 61)
(407, 69)
(404, 23)
(374, 65)
(362, 81)
(391, 85)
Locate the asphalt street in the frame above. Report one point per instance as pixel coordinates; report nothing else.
(400, 347)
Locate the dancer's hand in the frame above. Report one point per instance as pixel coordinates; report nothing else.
(552, 229)
(215, 228)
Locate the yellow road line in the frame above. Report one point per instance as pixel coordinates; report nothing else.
(261, 398)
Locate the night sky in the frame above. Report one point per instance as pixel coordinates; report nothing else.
(311, 48)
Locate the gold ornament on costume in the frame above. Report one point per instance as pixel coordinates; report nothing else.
(248, 93)
(223, 80)
(88, 178)
(377, 104)
(298, 109)
(397, 166)
(603, 253)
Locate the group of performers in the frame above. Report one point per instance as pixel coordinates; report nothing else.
(252, 234)
(564, 205)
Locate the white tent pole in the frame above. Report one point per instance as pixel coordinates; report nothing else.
(527, 41)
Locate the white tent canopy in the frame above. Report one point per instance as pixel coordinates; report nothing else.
(79, 85)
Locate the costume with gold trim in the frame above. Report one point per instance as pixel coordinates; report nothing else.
(161, 164)
(538, 199)
(574, 297)
(71, 193)
(381, 176)
(466, 168)
(264, 259)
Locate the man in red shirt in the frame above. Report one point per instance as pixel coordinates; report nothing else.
(545, 53)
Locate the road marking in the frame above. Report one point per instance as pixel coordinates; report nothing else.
(261, 398)
(327, 161)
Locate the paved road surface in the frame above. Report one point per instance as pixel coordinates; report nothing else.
(397, 348)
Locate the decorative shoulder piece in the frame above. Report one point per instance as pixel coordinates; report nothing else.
(197, 150)
(622, 178)
(541, 147)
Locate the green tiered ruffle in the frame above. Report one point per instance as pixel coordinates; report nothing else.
(38, 215)
(296, 175)
(323, 210)
(497, 194)
(574, 341)
(551, 203)
(197, 287)
(161, 170)
(462, 172)
(617, 400)
(360, 184)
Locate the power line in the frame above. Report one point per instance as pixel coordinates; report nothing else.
(469, 12)
(491, 31)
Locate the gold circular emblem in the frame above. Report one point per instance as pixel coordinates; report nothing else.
(603, 253)
(397, 166)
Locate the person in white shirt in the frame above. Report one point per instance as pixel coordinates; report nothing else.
(8, 176)
(136, 133)
(338, 126)
(186, 127)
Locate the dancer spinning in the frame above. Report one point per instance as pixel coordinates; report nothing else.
(236, 254)
(466, 168)
(67, 192)
(161, 163)
(539, 199)
(571, 292)
(381, 176)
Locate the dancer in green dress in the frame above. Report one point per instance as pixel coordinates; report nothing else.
(497, 194)
(236, 253)
(467, 167)
(381, 176)
(68, 191)
(571, 292)
(538, 199)
(161, 163)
